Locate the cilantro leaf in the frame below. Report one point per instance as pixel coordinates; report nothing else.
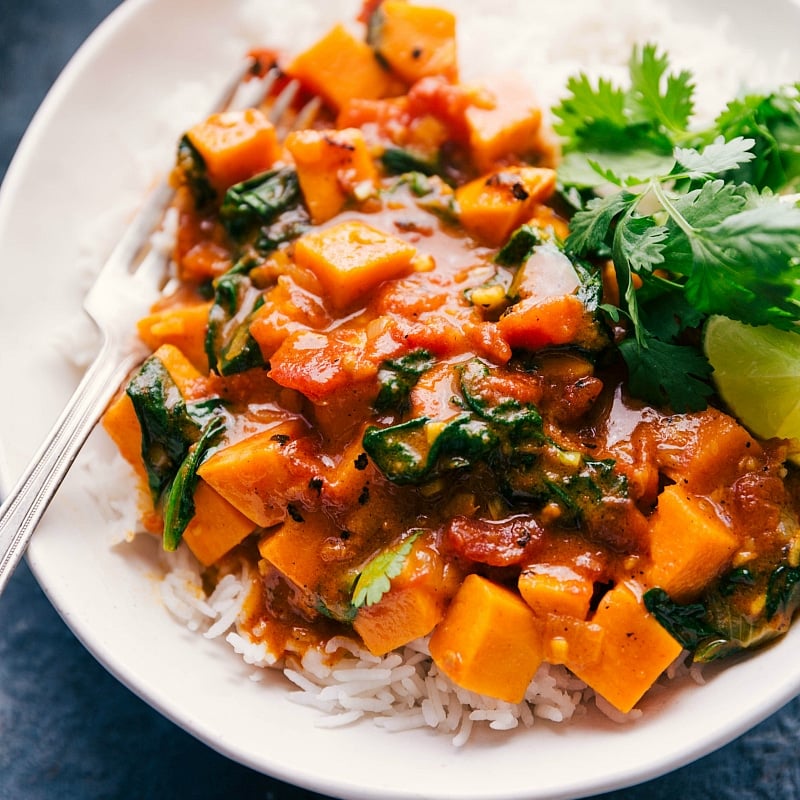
(661, 372)
(630, 156)
(773, 122)
(640, 241)
(375, 579)
(664, 310)
(710, 203)
(637, 243)
(589, 229)
(767, 236)
(586, 104)
(745, 267)
(666, 99)
(698, 209)
(719, 156)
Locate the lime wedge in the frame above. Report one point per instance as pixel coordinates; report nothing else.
(757, 373)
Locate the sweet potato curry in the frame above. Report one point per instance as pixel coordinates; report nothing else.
(384, 383)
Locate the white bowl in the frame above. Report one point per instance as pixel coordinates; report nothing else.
(105, 131)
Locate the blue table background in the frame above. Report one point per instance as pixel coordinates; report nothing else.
(70, 730)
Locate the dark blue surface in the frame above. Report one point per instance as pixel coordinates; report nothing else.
(69, 730)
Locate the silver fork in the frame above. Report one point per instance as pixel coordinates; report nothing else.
(123, 292)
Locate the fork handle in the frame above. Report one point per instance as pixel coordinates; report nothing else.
(29, 499)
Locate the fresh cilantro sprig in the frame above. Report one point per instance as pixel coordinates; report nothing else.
(375, 579)
(773, 122)
(687, 235)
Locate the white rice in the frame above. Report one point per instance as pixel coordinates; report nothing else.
(399, 691)
(404, 689)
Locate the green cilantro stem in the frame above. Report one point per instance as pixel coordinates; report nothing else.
(657, 187)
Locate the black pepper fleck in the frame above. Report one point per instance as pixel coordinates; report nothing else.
(294, 513)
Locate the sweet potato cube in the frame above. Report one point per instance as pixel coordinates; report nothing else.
(413, 606)
(295, 550)
(552, 589)
(340, 67)
(191, 382)
(331, 167)
(235, 145)
(182, 326)
(401, 616)
(534, 324)
(492, 206)
(120, 420)
(415, 41)
(575, 643)
(508, 124)
(636, 650)
(353, 472)
(689, 544)
(352, 258)
(489, 641)
(261, 474)
(216, 526)
(122, 425)
(705, 450)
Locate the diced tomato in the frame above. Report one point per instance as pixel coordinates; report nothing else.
(388, 118)
(319, 365)
(485, 337)
(199, 249)
(446, 101)
(287, 308)
(499, 544)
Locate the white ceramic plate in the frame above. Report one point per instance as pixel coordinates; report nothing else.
(91, 151)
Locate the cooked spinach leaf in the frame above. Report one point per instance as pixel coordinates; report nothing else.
(417, 451)
(259, 201)
(688, 624)
(179, 507)
(519, 246)
(743, 610)
(783, 591)
(337, 610)
(491, 424)
(169, 425)
(193, 167)
(506, 436)
(519, 422)
(229, 346)
(397, 161)
(397, 377)
(288, 227)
